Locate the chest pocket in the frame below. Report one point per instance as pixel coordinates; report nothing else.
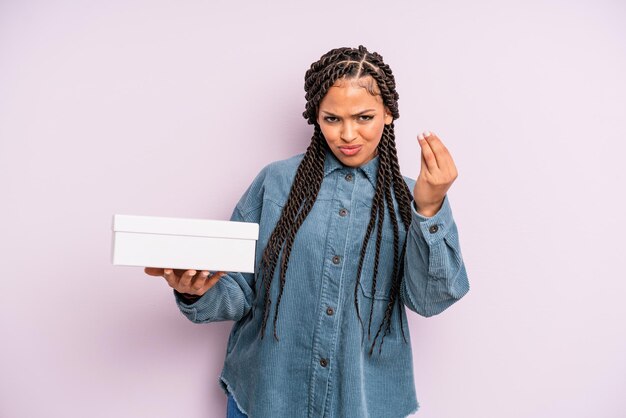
(385, 260)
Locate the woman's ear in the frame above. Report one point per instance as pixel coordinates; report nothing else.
(388, 117)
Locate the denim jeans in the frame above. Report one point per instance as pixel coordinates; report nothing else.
(231, 409)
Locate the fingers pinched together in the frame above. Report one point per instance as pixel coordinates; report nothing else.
(437, 173)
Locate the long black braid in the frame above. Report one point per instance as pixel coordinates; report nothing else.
(350, 63)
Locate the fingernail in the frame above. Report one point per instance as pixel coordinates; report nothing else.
(427, 134)
(205, 274)
(192, 272)
(168, 272)
(420, 136)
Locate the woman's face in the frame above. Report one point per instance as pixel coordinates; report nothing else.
(352, 120)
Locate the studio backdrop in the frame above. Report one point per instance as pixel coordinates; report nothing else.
(170, 108)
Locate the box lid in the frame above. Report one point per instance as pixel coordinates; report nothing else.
(185, 226)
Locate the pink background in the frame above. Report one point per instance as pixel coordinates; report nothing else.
(170, 108)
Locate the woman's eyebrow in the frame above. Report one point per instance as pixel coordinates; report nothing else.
(356, 114)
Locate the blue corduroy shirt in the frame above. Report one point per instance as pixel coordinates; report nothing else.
(320, 366)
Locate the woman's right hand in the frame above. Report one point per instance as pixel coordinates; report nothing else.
(189, 282)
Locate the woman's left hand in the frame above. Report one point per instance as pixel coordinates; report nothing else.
(437, 174)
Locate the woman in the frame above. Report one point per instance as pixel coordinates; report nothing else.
(345, 243)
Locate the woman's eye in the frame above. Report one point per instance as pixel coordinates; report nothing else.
(366, 117)
(330, 119)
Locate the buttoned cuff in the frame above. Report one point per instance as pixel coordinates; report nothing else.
(187, 307)
(186, 298)
(433, 229)
(225, 300)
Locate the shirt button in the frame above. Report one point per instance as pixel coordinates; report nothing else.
(336, 259)
(323, 362)
(343, 212)
(348, 177)
(330, 311)
(433, 229)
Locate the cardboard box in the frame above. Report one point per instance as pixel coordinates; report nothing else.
(179, 243)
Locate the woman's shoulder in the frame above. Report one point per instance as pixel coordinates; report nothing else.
(272, 183)
(275, 179)
(281, 171)
(285, 166)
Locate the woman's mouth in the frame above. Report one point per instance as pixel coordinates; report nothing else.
(351, 150)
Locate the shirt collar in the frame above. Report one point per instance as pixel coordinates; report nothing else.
(370, 169)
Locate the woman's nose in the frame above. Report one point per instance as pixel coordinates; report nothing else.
(348, 133)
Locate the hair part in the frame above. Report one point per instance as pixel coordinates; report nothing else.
(363, 81)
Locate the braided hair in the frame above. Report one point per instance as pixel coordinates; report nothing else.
(337, 64)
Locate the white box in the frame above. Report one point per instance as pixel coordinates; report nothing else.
(199, 244)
